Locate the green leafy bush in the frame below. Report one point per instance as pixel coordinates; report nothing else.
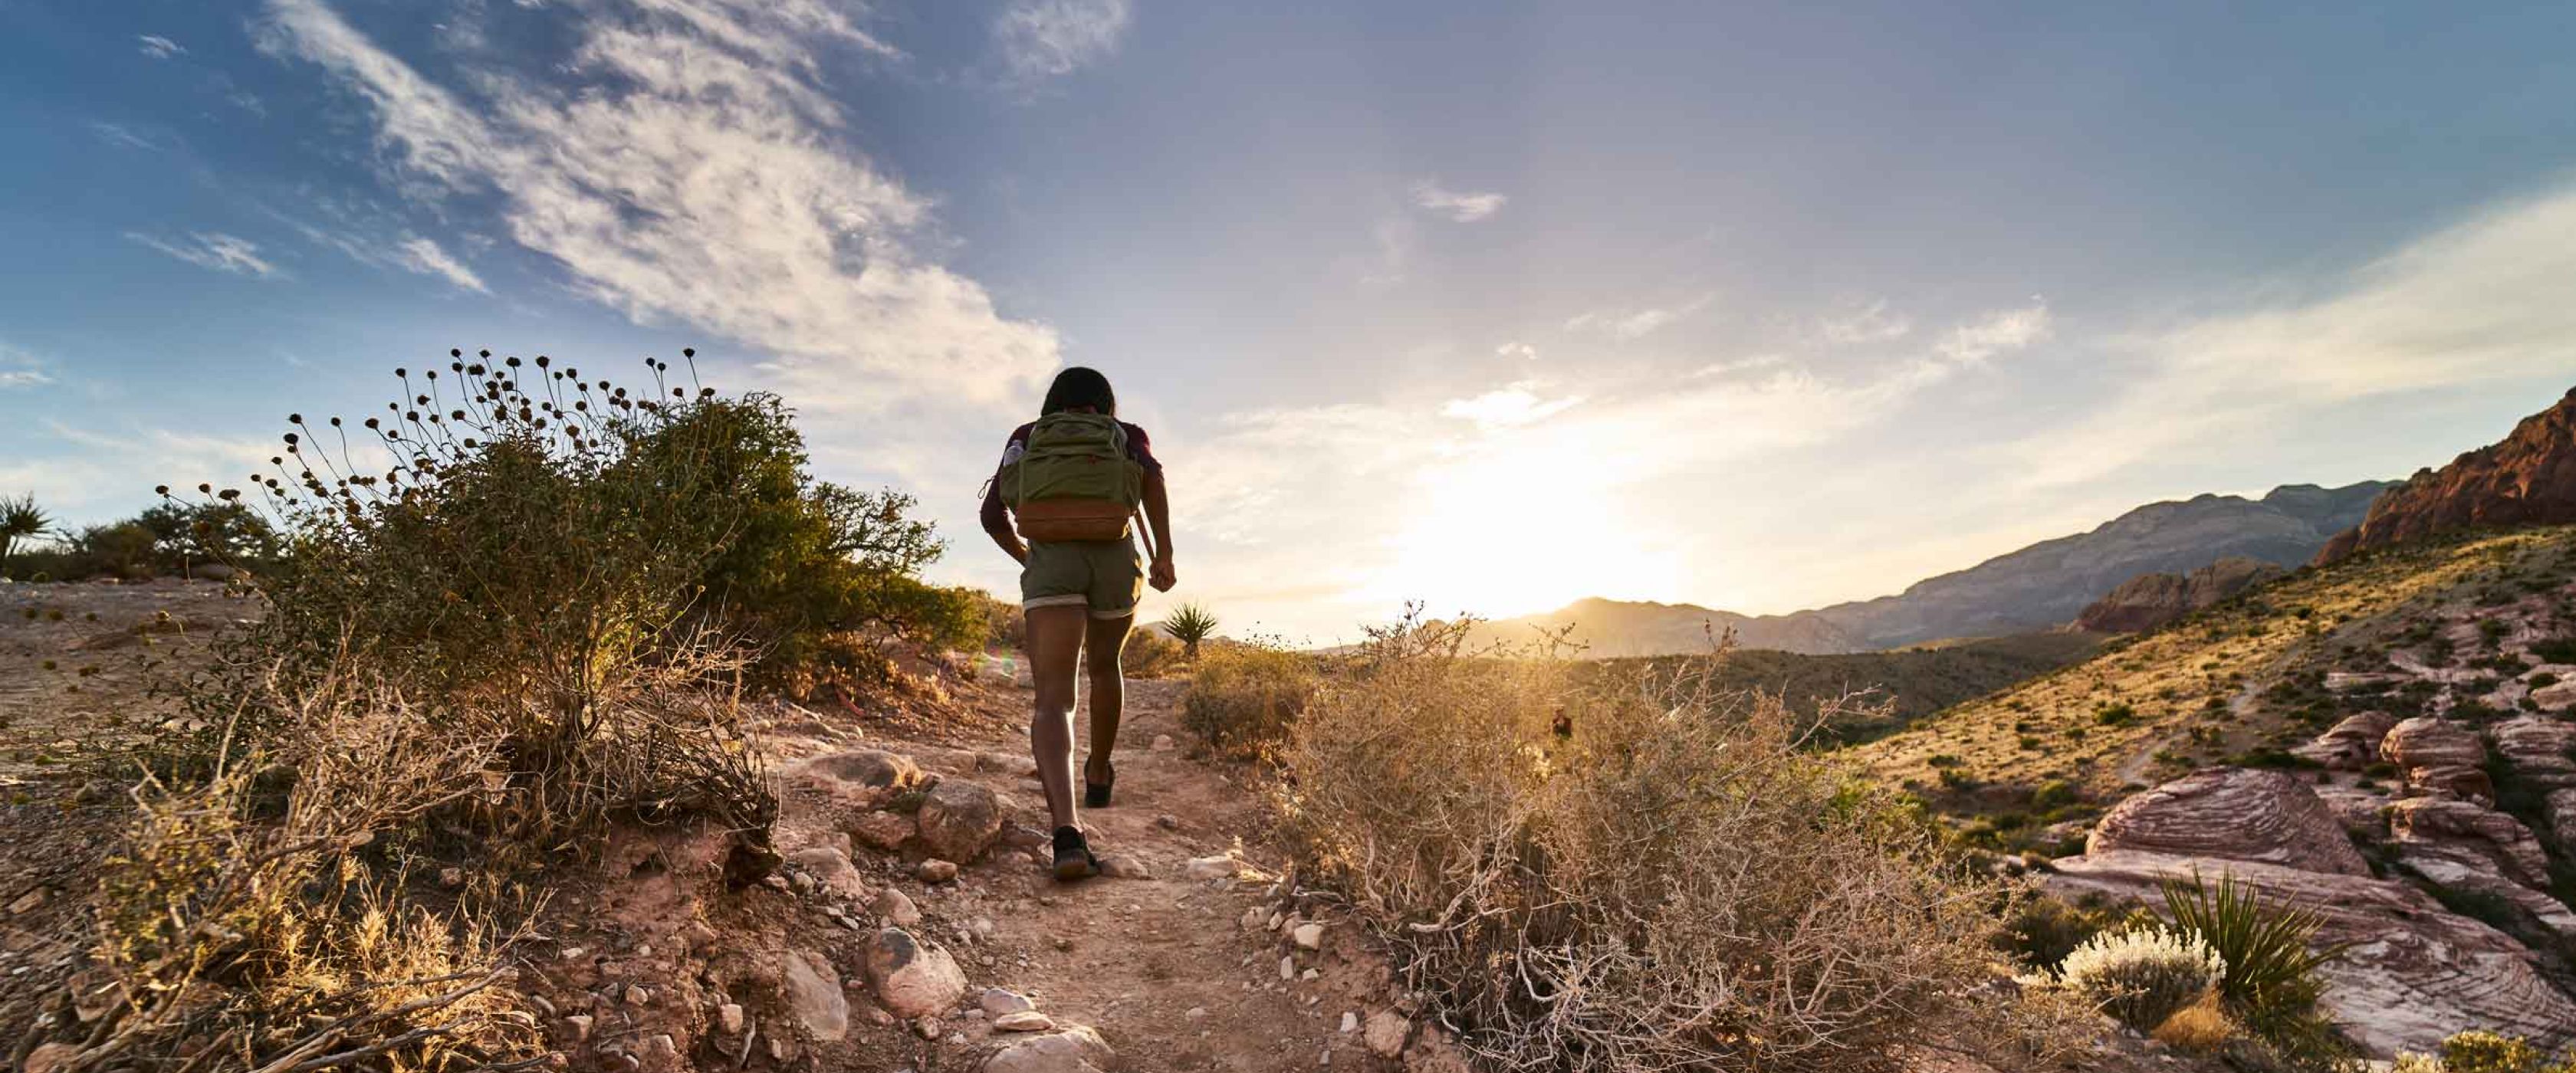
(2142, 976)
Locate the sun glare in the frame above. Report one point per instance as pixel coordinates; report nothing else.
(1525, 525)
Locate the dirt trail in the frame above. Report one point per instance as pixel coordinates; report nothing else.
(1163, 966)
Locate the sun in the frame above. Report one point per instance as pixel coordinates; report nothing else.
(1524, 524)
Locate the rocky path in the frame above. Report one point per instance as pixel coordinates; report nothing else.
(1187, 957)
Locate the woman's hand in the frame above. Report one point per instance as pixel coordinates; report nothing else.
(1161, 576)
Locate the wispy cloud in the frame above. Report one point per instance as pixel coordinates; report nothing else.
(1996, 333)
(158, 47)
(2481, 301)
(118, 134)
(215, 250)
(1043, 39)
(1515, 404)
(1463, 206)
(1871, 323)
(1517, 350)
(1634, 323)
(21, 369)
(692, 171)
(425, 257)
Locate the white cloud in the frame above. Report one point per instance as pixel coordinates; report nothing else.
(215, 250)
(1042, 39)
(118, 134)
(2480, 302)
(1465, 207)
(1517, 350)
(425, 257)
(691, 173)
(1517, 404)
(1870, 323)
(1996, 333)
(10, 378)
(21, 369)
(1635, 323)
(158, 47)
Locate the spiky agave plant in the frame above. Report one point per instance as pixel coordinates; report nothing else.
(1190, 624)
(2270, 947)
(20, 519)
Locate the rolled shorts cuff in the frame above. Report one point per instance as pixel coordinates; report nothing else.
(1071, 599)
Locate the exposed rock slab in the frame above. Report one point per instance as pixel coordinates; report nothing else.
(2471, 834)
(2439, 756)
(2352, 744)
(2236, 814)
(2415, 973)
(2538, 748)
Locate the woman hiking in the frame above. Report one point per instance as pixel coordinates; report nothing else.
(1069, 485)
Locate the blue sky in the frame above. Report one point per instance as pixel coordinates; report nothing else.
(1489, 304)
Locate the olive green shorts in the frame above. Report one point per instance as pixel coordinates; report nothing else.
(1106, 576)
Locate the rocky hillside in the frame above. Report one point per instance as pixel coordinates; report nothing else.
(2528, 477)
(2039, 587)
(2147, 601)
(2388, 737)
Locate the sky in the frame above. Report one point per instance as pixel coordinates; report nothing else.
(1489, 305)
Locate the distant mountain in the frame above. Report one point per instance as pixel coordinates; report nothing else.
(2527, 477)
(2039, 587)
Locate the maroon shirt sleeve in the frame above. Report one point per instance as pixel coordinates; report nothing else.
(1140, 448)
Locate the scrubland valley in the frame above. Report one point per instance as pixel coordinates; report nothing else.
(580, 727)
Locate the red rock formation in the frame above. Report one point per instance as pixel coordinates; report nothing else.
(2237, 814)
(2440, 757)
(2147, 601)
(2528, 477)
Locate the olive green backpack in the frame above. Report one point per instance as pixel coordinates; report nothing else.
(1073, 480)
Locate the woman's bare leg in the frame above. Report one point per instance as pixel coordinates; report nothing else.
(1055, 647)
(1102, 644)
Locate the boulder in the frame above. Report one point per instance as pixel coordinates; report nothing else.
(861, 778)
(959, 819)
(2473, 835)
(2538, 749)
(913, 978)
(2352, 744)
(832, 869)
(2363, 813)
(2236, 814)
(1073, 1050)
(2439, 756)
(884, 831)
(2556, 696)
(814, 996)
(2415, 972)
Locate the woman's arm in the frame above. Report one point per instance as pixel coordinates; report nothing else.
(1158, 516)
(997, 523)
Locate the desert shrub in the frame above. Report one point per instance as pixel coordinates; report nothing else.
(1244, 697)
(2040, 931)
(1151, 654)
(1005, 625)
(2479, 1051)
(262, 915)
(2270, 949)
(1190, 624)
(1638, 873)
(2141, 976)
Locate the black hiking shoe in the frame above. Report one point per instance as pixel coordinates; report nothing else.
(1073, 859)
(1096, 794)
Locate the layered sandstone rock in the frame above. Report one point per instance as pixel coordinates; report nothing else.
(2236, 814)
(2352, 744)
(2539, 748)
(2147, 601)
(2414, 972)
(2471, 835)
(2439, 756)
(2528, 477)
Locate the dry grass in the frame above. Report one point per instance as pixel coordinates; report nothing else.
(1654, 876)
(1244, 697)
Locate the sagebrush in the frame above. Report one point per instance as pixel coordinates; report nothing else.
(2141, 976)
(1244, 697)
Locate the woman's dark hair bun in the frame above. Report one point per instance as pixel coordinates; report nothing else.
(1079, 386)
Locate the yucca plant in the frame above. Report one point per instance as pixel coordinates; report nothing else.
(1190, 624)
(2270, 948)
(20, 519)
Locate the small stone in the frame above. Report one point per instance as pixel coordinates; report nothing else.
(729, 1018)
(886, 831)
(1308, 936)
(1122, 866)
(896, 907)
(1196, 1013)
(935, 870)
(1385, 1033)
(927, 1027)
(998, 1002)
(911, 977)
(831, 868)
(638, 995)
(1024, 1021)
(1350, 1021)
(660, 1051)
(575, 953)
(814, 994)
(1163, 743)
(1310, 976)
(28, 901)
(1275, 920)
(1168, 822)
(1221, 866)
(451, 877)
(1256, 919)
(579, 1024)
(1288, 968)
